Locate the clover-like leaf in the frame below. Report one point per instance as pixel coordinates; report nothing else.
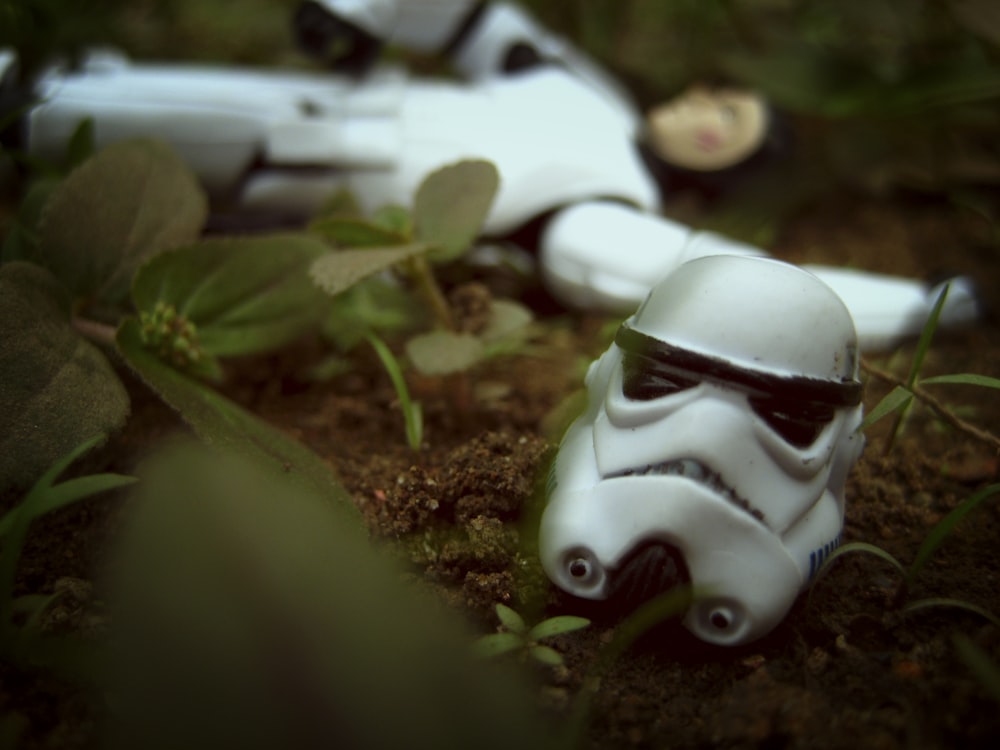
(56, 388)
(241, 295)
(444, 352)
(496, 644)
(452, 204)
(510, 619)
(340, 270)
(130, 201)
(557, 626)
(545, 655)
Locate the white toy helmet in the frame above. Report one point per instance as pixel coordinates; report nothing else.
(721, 428)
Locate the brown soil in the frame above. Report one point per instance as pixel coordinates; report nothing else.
(847, 668)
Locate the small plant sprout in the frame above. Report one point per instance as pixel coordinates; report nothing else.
(412, 412)
(21, 637)
(449, 209)
(518, 637)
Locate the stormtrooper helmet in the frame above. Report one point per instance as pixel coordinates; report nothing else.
(714, 451)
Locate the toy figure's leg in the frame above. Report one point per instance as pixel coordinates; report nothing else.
(607, 256)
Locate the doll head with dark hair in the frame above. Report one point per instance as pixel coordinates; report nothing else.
(710, 136)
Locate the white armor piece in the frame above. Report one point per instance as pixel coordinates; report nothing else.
(562, 136)
(720, 430)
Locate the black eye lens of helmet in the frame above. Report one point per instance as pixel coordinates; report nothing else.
(798, 423)
(644, 380)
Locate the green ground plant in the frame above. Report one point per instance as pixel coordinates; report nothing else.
(517, 637)
(109, 265)
(22, 639)
(449, 209)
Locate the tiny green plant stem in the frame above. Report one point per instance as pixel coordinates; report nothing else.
(412, 414)
(428, 287)
(99, 333)
(935, 405)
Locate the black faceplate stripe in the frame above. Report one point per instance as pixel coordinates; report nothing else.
(793, 387)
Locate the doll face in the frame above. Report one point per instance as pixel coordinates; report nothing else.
(708, 129)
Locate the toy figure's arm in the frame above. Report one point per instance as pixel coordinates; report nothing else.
(482, 39)
(604, 255)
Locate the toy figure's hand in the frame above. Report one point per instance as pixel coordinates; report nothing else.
(342, 45)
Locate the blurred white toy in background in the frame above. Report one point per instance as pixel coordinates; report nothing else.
(577, 160)
(714, 450)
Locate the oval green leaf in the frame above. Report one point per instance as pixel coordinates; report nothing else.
(557, 626)
(127, 203)
(444, 352)
(452, 204)
(56, 389)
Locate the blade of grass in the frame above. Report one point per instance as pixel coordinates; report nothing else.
(919, 604)
(898, 398)
(945, 526)
(964, 378)
(412, 413)
(926, 335)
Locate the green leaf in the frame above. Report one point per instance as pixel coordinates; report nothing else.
(284, 626)
(557, 626)
(945, 526)
(898, 398)
(451, 205)
(56, 389)
(21, 242)
(546, 655)
(356, 233)
(507, 318)
(496, 644)
(444, 352)
(129, 202)
(243, 295)
(226, 425)
(338, 271)
(963, 379)
(510, 619)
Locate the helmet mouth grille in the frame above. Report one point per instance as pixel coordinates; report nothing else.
(651, 569)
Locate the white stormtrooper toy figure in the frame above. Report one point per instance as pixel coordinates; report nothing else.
(720, 430)
(574, 155)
